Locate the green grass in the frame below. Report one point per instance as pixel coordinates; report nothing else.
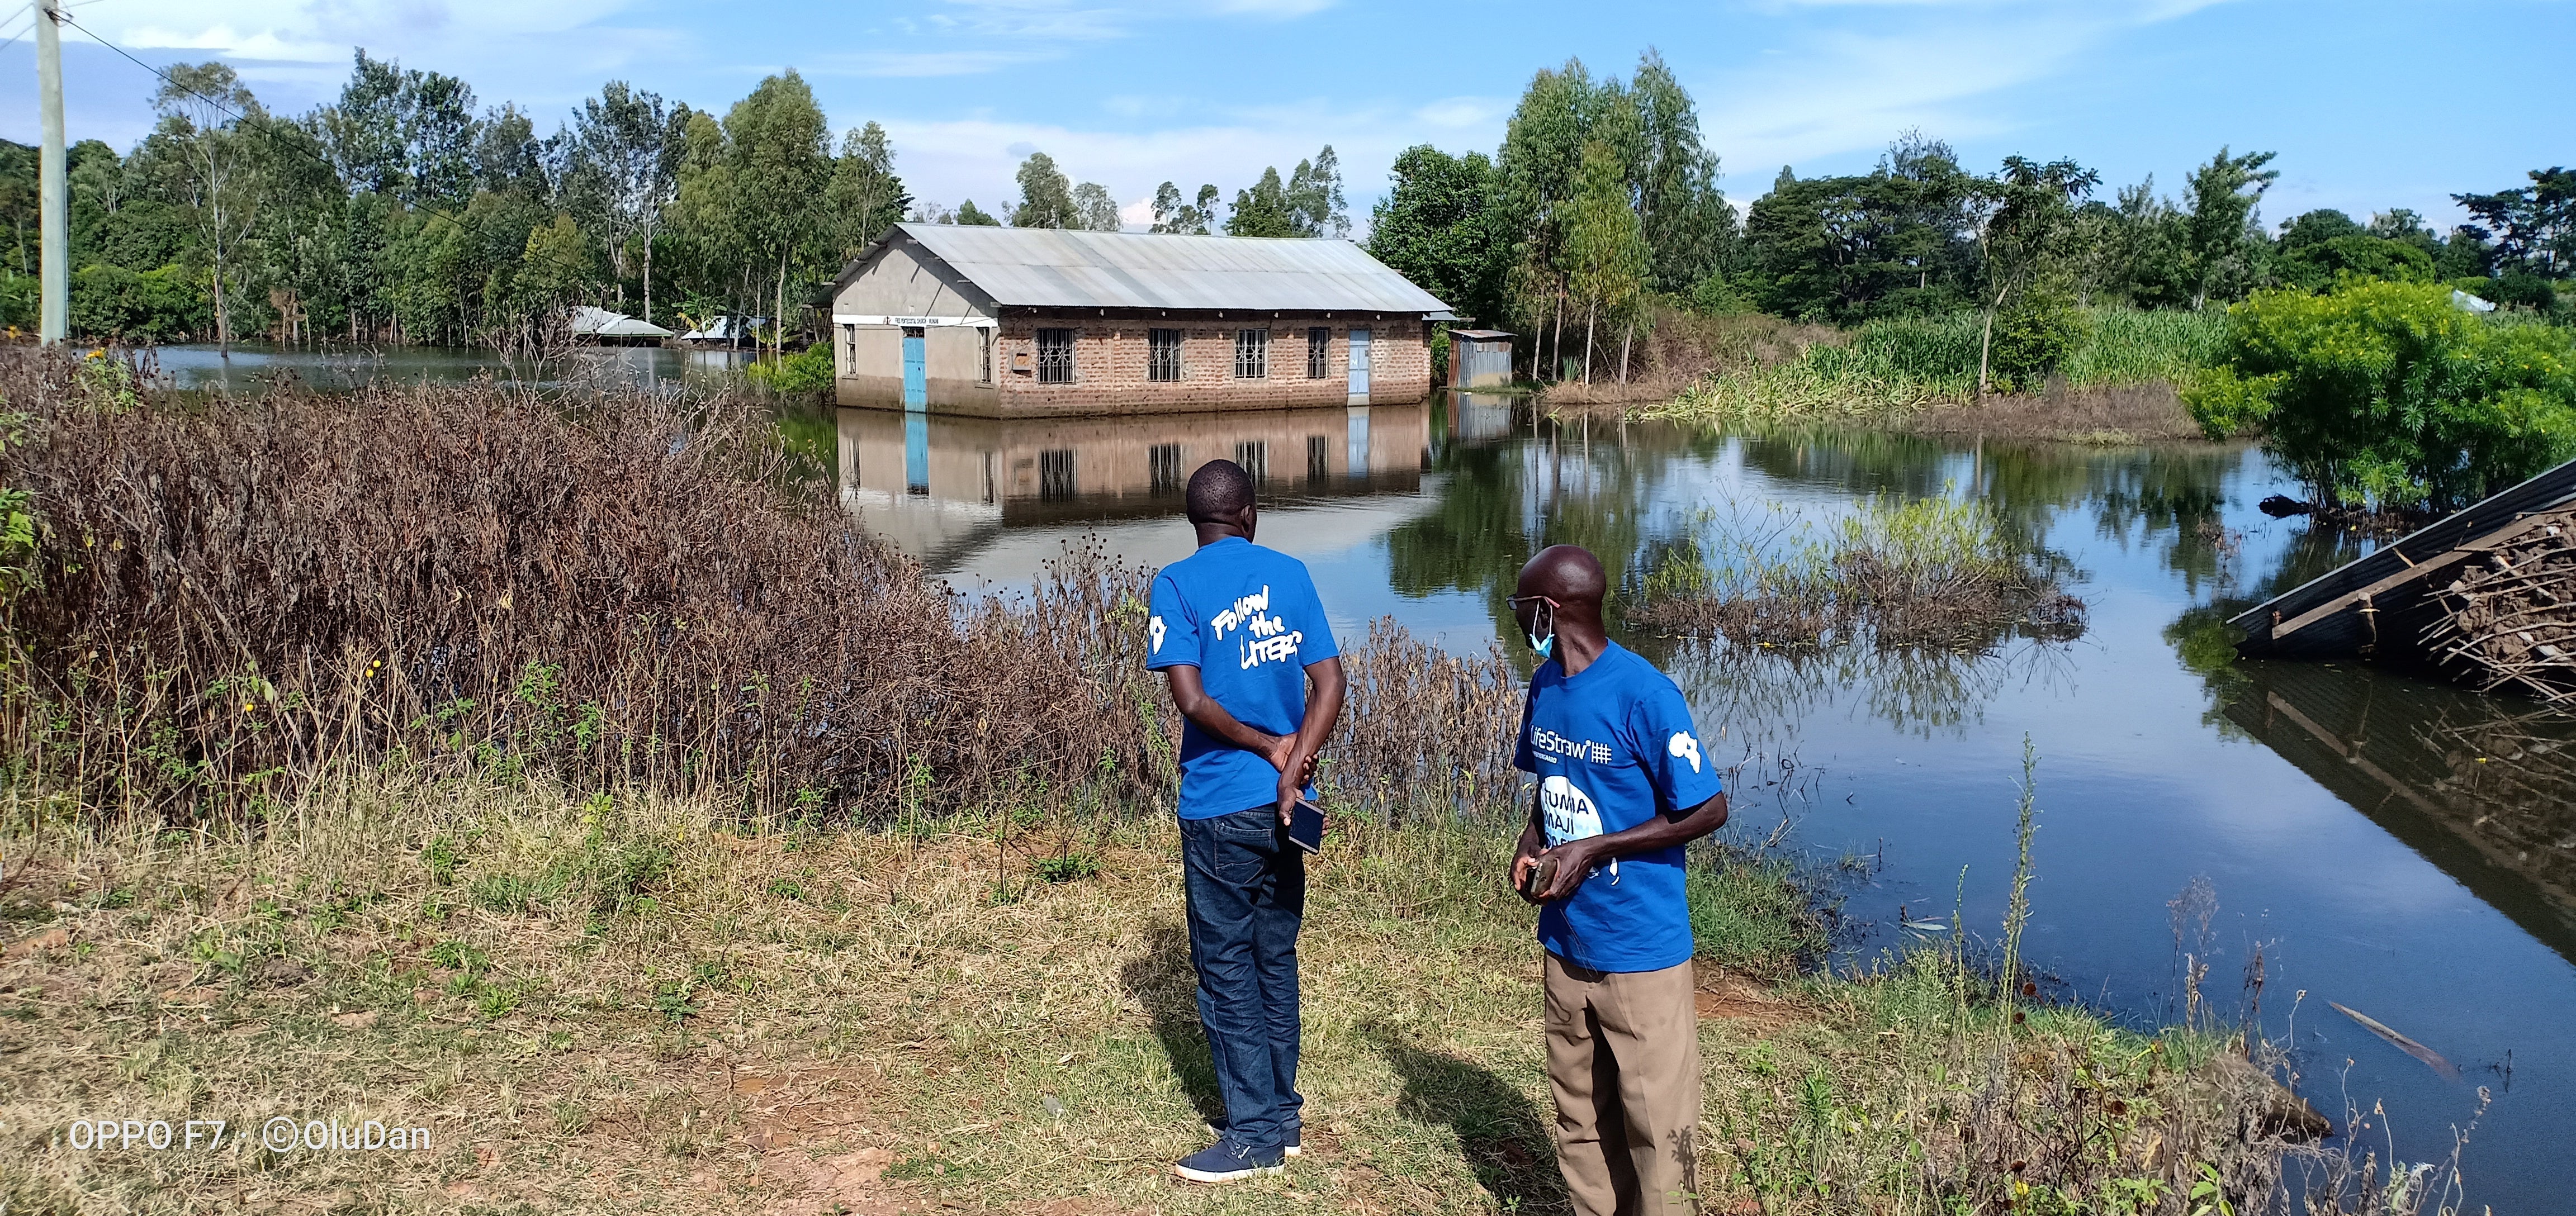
(848, 1017)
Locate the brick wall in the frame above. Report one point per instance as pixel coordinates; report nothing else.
(1110, 365)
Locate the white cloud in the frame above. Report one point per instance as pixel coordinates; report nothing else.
(1837, 93)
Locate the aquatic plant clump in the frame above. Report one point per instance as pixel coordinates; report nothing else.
(1934, 571)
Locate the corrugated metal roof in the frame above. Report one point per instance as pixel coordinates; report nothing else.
(603, 323)
(1056, 268)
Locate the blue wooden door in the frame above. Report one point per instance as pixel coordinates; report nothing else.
(916, 370)
(1359, 364)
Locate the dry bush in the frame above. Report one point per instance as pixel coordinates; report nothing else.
(229, 596)
(1424, 730)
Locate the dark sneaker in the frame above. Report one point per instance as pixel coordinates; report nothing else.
(1227, 1161)
(1290, 1145)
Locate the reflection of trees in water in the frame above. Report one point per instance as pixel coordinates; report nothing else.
(1760, 695)
(2205, 642)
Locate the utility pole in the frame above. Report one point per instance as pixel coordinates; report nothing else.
(55, 274)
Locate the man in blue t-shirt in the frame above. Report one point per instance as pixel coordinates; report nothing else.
(1238, 631)
(1623, 785)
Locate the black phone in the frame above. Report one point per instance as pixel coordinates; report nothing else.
(1306, 826)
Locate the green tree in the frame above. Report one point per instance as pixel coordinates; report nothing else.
(2223, 245)
(1263, 209)
(2533, 227)
(1046, 196)
(779, 151)
(2384, 392)
(1606, 254)
(624, 173)
(1315, 197)
(1536, 174)
(867, 197)
(1174, 217)
(1688, 224)
(1440, 228)
(213, 169)
(970, 214)
(1894, 242)
(1096, 210)
(2026, 239)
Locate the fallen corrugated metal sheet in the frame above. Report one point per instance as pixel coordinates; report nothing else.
(599, 322)
(1057, 268)
(2348, 611)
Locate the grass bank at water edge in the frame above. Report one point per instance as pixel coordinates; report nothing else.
(635, 1004)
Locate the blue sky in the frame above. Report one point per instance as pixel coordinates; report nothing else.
(2370, 105)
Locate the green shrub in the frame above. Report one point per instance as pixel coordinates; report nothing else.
(2386, 393)
(2033, 336)
(804, 373)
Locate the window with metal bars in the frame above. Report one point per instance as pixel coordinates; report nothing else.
(1055, 474)
(1163, 467)
(1252, 354)
(1055, 356)
(1319, 352)
(984, 337)
(1163, 355)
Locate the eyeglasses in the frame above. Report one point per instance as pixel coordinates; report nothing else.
(1514, 602)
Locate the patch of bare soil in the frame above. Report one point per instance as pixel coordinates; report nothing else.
(1754, 1006)
(2138, 413)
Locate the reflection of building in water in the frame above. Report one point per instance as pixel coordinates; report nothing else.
(929, 482)
(1480, 417)
(2482, 786)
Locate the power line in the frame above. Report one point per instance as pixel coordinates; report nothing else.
(265, 128)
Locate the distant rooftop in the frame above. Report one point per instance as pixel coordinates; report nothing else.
(1057, 268)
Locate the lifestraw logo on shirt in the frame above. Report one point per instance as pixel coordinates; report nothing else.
(1568, 812)
(1683, 746)
(1154, 633)
(1271, 641)
(1547, 741)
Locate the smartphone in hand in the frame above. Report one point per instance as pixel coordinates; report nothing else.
(1306, 826)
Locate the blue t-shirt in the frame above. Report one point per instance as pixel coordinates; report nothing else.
(1249, 620)
(1613, 747)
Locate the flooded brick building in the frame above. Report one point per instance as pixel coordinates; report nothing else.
(1033, 322)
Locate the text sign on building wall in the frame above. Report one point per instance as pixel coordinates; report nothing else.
(850, 318)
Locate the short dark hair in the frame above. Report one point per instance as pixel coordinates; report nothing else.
(1218, 492)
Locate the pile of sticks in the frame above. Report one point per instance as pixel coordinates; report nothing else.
(2509, 618)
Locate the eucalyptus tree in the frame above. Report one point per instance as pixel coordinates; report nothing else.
(1046, 195)
(211, 166)
(1537, 168)
(1314, 196)
(778, 147)
(624, 173)
(1177, 218)
(866, 196)
(1606, 257)
(1687, 223)
(1096, 210)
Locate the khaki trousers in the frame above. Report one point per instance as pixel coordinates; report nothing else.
(1623, 1058)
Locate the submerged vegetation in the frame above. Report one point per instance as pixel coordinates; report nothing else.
(1933, 571)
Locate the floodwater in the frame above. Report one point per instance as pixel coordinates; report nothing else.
(255, 365)
(2401, 848)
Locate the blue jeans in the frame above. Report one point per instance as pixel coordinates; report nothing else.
(1247, 896)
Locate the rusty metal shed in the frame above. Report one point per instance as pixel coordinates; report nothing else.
(1480, 358)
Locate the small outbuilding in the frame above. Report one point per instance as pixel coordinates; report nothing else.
(1480, 358)
(1030, 322)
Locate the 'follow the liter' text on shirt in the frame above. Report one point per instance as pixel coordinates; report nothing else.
(1249, 619)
